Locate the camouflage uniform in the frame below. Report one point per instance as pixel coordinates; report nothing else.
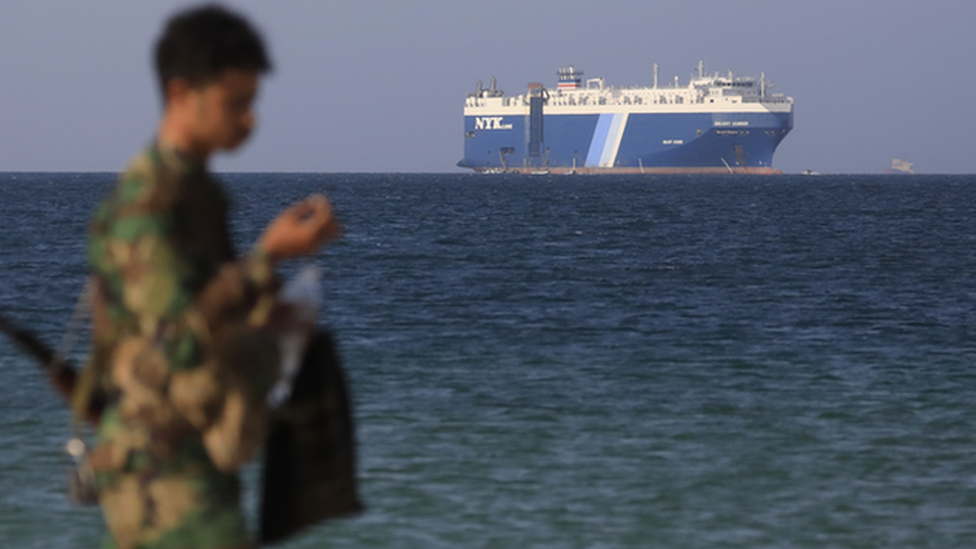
(179, 353)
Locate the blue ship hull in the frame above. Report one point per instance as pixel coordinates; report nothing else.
(627, 142)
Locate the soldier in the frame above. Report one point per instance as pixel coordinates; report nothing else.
(181, 345)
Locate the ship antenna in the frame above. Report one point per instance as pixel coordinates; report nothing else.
(655, 75)
(762, 86)
(492, 86)
(701, 68)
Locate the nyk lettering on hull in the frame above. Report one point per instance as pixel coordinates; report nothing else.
(490, 123)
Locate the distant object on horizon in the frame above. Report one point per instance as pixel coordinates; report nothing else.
(900, 167)
(715, 124)
(810, 172)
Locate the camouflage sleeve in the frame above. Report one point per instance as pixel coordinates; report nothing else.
(156, 282)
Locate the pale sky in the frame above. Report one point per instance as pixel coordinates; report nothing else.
(370, 86)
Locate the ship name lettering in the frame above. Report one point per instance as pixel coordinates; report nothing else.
(490, 123)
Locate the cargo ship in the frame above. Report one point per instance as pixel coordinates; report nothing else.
(717, 123)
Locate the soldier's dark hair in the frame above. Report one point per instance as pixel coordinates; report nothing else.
(200, 43)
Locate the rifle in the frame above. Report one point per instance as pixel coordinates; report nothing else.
(57, 369)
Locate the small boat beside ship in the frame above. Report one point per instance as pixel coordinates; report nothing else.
(900, 167)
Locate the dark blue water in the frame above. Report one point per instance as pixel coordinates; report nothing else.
(591, 362)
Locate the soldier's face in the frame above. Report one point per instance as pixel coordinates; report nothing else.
(223, 109)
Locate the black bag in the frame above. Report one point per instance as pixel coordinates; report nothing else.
(310, 456)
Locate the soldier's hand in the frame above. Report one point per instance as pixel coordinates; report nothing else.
(301, 229)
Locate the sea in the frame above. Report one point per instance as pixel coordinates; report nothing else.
(589, 362)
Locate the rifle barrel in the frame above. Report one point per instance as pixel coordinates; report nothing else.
(59, 372)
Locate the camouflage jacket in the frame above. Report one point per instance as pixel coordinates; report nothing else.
(176, 344)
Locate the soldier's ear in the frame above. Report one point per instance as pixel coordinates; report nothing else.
(177, 91)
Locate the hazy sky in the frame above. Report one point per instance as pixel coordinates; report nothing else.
(370, 86)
